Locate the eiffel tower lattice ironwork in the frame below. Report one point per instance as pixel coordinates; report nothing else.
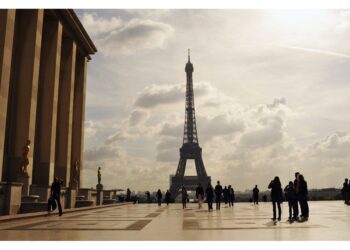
(190, 147)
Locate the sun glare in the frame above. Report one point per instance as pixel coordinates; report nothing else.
(297, 18)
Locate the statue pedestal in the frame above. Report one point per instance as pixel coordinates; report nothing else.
(10, 198)
(24, 178)
(71, 195)
(99, 194)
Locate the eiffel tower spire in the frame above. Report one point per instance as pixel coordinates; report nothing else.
(190, 129)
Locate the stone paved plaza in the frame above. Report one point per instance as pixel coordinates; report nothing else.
(328, 221)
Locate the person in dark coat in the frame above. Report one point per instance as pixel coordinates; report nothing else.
(276, 196)
(346, 191)
(159, 197)
(264, 198)
(55, 195)
(184, 197)
(218, 193)
(256, 195)
(200, 195)
(148, 195)
(296, 187)
(225, 193)
(167, 197)
(303, 198)
(231, 195)
(291, 197)
(209, 191)
(128, 194)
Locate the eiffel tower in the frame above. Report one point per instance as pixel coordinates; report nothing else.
(190, 148)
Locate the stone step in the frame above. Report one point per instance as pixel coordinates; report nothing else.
(29, 207)
(84, 203)
(108, 201)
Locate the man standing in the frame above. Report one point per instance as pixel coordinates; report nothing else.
(296, 186)
(256, 195)
(210, 194)
(346, 191)
(56, 194)
(218, 192)
(200, 195)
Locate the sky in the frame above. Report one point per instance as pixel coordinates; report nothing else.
(271, 92)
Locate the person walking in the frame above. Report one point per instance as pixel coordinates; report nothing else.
(209, 191)
(256, 195)
(128, 194)
(230, 196)
(291, 197)
(346, 191)
(200, 195)
(55, 195)
(276, 196)
(159, 197)
(303, 196)
(167, 197)
(184, 197)
(218, 193)
(225, 193)
(296, 186)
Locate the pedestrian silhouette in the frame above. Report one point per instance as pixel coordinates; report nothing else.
(303, 198)
(167, 197)
(291, 197)
(296, 186)
(264, 198)
(128, 194)
(231, 195)
(200, 195)
(159, 197)
(346, 191)
(184, 197)
(225, 193)
(256, 195)
(55, 195)
(209, 191)
(148, 196)
(276, 196)
(218, 193)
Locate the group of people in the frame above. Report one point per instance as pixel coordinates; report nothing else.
(296, 194)
(226, 194)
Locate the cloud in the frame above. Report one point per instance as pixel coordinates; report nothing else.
(156, 94)
(335, 145)
(137, 116)
(134, 36)
(269, 132)
(96, 25)
(89, 129)
(103, 152)
(119, 136)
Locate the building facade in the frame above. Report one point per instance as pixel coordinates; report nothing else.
(43, 68)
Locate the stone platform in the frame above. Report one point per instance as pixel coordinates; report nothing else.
(329, 220)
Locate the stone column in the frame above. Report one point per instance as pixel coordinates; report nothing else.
(7, 25)
(65, 111)
(23, 93)
(45, 135)
(78, 118)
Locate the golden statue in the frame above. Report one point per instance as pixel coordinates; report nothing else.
(25, 160)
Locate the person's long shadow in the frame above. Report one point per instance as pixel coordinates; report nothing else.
(271, 223)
